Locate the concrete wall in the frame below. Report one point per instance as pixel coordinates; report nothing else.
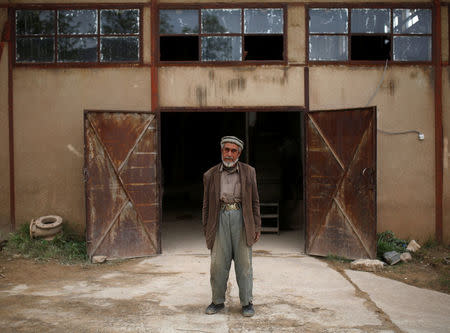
(4, 137)
(405, 175)
(49, 104)
(238, 86)
(49, 132)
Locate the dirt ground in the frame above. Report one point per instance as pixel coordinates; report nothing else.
(429, 268)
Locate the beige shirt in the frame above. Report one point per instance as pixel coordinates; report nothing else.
(230, 185)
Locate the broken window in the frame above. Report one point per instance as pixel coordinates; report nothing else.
(412, 34)
(369, 34)
(221, 35)
(77, 36)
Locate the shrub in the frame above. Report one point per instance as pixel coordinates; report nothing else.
(386, 241)
(65, 247)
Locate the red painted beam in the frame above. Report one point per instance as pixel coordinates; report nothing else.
(154, 56)
(439, 174)
(12, 193)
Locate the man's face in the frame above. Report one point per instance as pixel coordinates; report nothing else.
(230, 154)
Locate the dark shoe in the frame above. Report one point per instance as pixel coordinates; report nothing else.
(248, 310)
(214, 308)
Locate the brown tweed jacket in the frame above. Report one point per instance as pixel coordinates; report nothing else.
(211, 203)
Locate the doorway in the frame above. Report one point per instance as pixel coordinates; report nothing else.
(190, 146)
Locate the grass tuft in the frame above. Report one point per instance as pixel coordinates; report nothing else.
(430, 243)
(66, 247)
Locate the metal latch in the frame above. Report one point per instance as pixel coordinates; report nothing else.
(85, 175)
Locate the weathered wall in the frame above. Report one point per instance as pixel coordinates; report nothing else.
(296, 1)
(405, 175)
(5, 221)
(235, 86)
(445, 33)
(49, 106)
(296, 27)
(48, 111)
(270, 85)
(40, 2)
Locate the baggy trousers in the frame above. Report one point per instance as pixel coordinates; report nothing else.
(230, 244)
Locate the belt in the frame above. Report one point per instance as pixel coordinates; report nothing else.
(232, 206)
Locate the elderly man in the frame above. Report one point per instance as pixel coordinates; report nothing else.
(231, 224)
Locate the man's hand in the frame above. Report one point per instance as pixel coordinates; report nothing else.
(257, 235)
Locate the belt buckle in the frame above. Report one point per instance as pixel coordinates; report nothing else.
(230, 206)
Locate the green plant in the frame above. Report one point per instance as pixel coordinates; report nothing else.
(65, 247)
(386, 241)
(430, 243)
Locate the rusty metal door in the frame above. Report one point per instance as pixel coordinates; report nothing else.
(122, 184)
(341, 183)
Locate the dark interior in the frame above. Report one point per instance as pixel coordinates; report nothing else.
(178, 48)
(268, 47)
(190, 146)
(368, 47)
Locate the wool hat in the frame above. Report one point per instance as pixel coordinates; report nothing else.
(232, 139)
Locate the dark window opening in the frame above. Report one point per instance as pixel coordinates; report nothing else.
(178, 48)
(370, 47)
(263, 47)
(222, 32)
(370, 34)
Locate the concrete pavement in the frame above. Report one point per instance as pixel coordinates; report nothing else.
(169, 293)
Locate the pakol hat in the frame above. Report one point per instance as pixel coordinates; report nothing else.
(232, 139)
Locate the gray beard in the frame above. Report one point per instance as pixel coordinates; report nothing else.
(229, 164)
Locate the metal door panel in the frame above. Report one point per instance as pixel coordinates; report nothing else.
(122, 184)
(340, 184)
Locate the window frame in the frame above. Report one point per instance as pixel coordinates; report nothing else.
(349, 34)
(242, 6)
(98, 35)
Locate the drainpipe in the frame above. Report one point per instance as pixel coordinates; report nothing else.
(437, 64)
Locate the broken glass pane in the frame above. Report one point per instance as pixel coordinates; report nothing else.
(178, 21)
(412, 48)
(263, 21)
(77, 22)
(328, 48)
(35, 22)
(221, 48)
(77, 49)
(119, 21)
(221, 21)
(35, 49)
(119, 49)
(371, 20)
(332, 21)
(412, 21)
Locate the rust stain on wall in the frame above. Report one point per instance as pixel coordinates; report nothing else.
(211, 75)
(201, 94)
(391, 87)
(236, 84)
